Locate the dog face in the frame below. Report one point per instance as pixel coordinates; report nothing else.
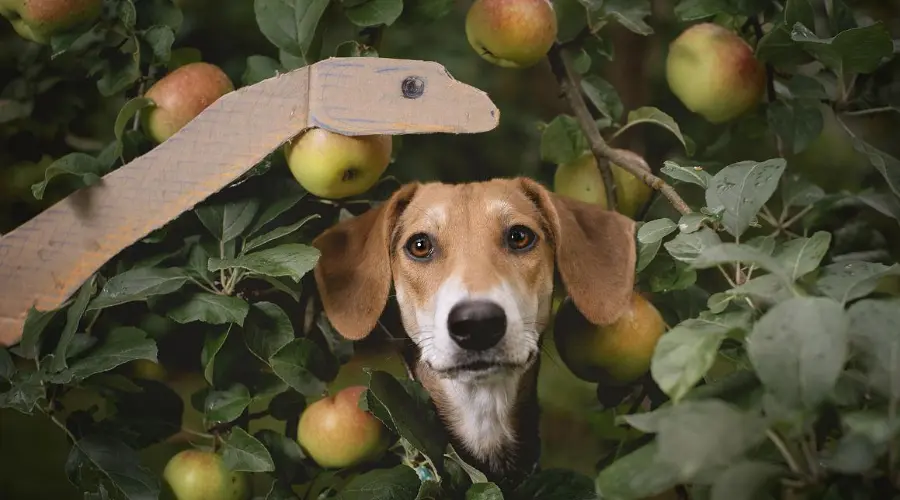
(473, 265)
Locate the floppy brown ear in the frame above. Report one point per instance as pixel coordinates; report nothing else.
(353, 274)
(595, 253)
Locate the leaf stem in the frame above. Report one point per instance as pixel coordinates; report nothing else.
(222, 278)
(871, 111)
(59, 424)
(137, 115)
(790, 222)
(627, 160)
(785, 452)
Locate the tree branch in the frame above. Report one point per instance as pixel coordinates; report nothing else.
(627, 160)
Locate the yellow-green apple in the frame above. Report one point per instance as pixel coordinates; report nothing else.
(714, 72)
(334, 166)
(202, 475)
(616, 354)
(148, 370)
(830, 160)
(181, 95)
(511, 33)
(336, 433)
(38, 20)
(581, 180)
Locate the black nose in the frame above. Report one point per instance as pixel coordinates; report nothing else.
(476, 325)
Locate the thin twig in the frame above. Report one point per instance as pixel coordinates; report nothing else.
(871, 111)
(627, 160)
(785, 452)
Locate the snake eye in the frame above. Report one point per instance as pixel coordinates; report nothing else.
(419, 246)
(520, 238)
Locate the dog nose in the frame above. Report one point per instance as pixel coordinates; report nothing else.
(476, 325)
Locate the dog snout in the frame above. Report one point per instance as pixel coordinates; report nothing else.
(476, 325)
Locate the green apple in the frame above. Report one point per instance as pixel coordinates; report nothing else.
(714, 72)
(336, 433)
(202, 475)
(334, 166)
(38, 20)
(616, 354)
(581, 180)
(182, 95)
(148, 370)
(511, 33)
(830, 161)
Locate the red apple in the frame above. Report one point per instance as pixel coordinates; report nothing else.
(182, 95)
(511, 33)
(714, 72)
(336, 433)
(38, 20)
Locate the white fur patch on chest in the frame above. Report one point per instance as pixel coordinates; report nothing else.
(482, 415)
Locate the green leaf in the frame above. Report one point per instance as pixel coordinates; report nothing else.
(885, 164)
(747, 479)
(73, 318)
(304, 366)
(260, 68)
(26, 389)
(692, 175)
(227, 221)
(695, 10)
(268, 330)
(276, 234)
(778, 48)
(81, 165)
(285, 196)
(639, 474)
(646, 254)
(7, 366)
(212, 344)
(731, 252)
(121, 345)
(122, 71)
(798, 349)
(655, 230)
(408, 413)
(292, 260)
(767, 288)
(484, 491)
(803, 255)
(668, 275)
(798, 192)
(341, 347)
(290, 24)
(853, 454)
(226, 405)
(742, 189)
(650, 114)
(799, 11)
(118, 463)
(798, 123)
(287, 405)
(876, 426)
(209, 308)
(159, 12)
(375, 12)
(856, 50)
(286, 454)
(873, 332)
(847, 281)
(160, 39)
(629, 13)
(689, 223)
(556, 484)
(688, 247)
(139, 284)
(36, 323)
(603, 96)
(397, 483)
(562, 141)
(696, 436)
(685, 353)
(242, 452)
(129, 109)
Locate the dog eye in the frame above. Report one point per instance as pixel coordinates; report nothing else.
(419, 246)
(520, 238)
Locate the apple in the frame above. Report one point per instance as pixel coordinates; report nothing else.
(38, 20)
(830, 161)
(182, 95)
(511, 33)
(202, 475)
(617, 354)
(148, 370)
(714, 72)
(581, 180)
(336, 433)
(331, 165)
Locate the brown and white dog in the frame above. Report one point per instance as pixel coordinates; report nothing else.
(473, 267)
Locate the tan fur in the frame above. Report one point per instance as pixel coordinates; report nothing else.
(592, 249)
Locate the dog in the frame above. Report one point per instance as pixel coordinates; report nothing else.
(473, 268)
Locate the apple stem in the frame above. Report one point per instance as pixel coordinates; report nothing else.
(627, 160)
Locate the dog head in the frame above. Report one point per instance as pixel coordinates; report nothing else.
(473, 268)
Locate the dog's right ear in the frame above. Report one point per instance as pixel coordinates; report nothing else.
(353, 273)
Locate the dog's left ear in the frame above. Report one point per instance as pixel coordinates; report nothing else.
(595, 252)
(353, 273)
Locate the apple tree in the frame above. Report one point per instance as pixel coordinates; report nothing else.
(753, 141)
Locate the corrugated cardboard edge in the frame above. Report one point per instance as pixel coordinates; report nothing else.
(44, 261)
